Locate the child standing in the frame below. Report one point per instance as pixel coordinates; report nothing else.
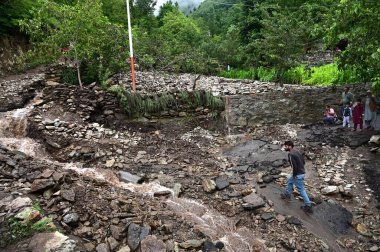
(347, 113)
(358, 111)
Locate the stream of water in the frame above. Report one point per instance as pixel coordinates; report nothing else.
(13, 131)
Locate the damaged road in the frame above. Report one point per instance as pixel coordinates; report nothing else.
(178, 184)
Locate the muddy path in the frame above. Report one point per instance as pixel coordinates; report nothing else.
(195, 184)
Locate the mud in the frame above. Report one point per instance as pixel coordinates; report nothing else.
(174, 157)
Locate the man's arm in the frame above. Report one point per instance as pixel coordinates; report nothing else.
(293, 164)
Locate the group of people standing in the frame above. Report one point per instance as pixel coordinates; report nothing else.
(354, 109)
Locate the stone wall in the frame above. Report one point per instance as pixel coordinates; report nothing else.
(290, 105)
(250, 103)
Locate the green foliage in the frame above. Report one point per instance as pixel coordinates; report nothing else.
(296, 75)
(21, 230)
(92, 40)
(358, 22)
(267, 37)
(240, 74)
(260, 73)
(116, 11)
(218, 16)
(323, 75)
(16, 229)
(13, 10)
(136, 105)
(166, 8)
(69, 76)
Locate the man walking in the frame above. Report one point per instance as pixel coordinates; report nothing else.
(297, 162)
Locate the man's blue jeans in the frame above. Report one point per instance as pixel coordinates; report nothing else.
(299, 181)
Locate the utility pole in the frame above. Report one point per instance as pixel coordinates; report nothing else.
(131, 48)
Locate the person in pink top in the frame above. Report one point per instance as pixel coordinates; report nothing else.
(358, 110)
(329, 116)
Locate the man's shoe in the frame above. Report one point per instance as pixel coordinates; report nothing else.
(307, 209)
(285, 196)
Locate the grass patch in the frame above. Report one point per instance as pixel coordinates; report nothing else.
(136, 105)
(32, 222)
(324, 75)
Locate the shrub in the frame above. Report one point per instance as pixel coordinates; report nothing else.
(296, 75)
(135, 104)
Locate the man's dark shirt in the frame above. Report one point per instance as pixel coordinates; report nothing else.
(297, 162)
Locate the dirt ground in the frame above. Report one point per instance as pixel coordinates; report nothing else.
(178, 156)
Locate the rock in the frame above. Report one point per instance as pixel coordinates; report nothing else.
(48, 122)
(53, 144)
(253, 201)
(71, 219)
(48, 193)
(191, 244)
(47, 242)
(221, 183)
(151, 244)
(57, 176)
(108, 112)
(361, 229)
(38, 102)
(267, 216)
(19, 203)
(330, 190)
(52, 83)
(128, 177)
(280, 218)
(124, 249)
(164, 193)
(117, 232)
(110, 163)
(374, 248)
(177, 189)
(28, 215)
(89, 246)
(68, 195)
(375, 139)
(46, 174)
(209, 246)
(374, 149)
(40, 184)
(219, 245)
(259, 177)
(144, 232)
(241, 169)
(293, 220)
(209, 185)
(268, 178)
(102, 247)
(112, 243)
(133, 237)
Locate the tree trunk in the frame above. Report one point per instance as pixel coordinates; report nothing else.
(78, 67)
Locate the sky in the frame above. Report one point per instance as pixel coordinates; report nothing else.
(184, 5)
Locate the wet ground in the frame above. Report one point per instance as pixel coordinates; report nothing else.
(175, 160)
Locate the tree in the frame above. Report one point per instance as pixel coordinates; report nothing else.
(93, 41)
(218, 16)
(165, 9)
(13, 10)
(116, 11)
(181, 38)
(358, 22)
